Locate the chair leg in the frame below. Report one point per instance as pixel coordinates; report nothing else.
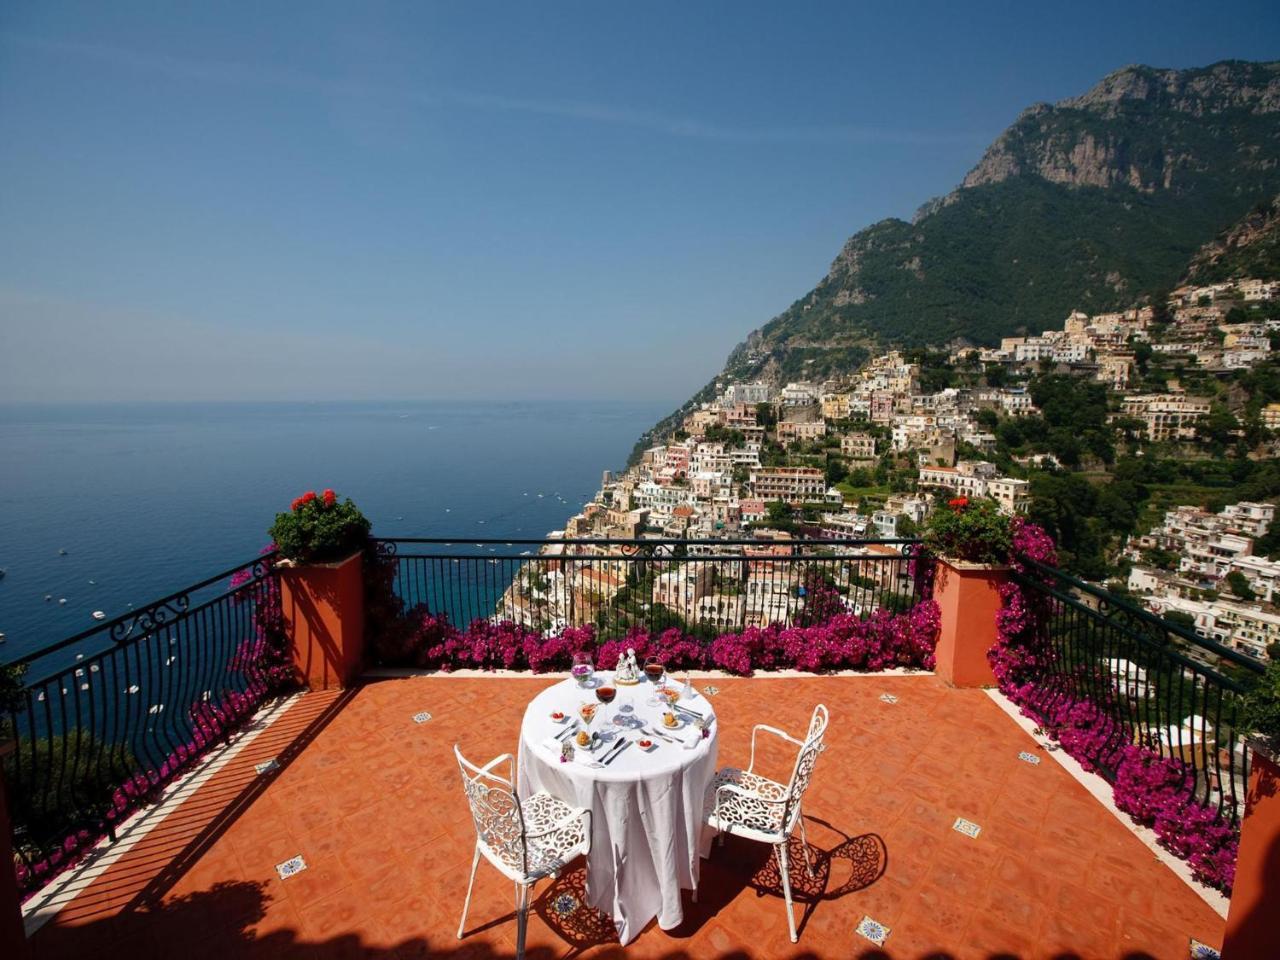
(786, 889)
(475, 862)
(804, 842)
(522, 918)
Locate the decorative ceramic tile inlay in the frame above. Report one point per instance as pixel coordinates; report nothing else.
(1028, 757)
(1202, 951)
(710, 691)
(266, 765)
(873, 930)
(967, 827)
(422, 717)
(564, 904)
(888, 698)
(291, 867)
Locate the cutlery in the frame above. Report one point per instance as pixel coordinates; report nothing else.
(564, 733)
(693, 713)
(613, 748)
(655, 733)
(614, 756)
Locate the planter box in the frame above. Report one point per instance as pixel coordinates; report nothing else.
(323, 607)
(1255, 898)
(968, 599)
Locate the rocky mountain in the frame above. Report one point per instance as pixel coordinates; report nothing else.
(1250, 248)
(1091, 203)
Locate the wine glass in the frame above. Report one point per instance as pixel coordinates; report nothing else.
(582, 668)
(587, 711)
(654, 671)
(605, 695)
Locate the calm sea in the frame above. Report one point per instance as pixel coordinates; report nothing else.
(148, 498)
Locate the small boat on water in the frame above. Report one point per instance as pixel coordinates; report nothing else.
(62, 599)
(98, 615)
(3, 571)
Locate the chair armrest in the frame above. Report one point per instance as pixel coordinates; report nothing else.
(768, 729)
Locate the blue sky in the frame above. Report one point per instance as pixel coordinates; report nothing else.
(360, 201)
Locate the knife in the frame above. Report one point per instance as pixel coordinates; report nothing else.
(614, 756)
(688, 711)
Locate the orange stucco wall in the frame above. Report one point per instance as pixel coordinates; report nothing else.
(968, 598)
(324, 616)
(1253, 930)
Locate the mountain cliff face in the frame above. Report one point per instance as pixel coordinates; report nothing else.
(1250, 248)
(1090, 203)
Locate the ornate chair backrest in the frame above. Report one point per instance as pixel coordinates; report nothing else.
(802, 773)
(495, 810)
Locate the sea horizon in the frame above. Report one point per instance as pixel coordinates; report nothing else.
(147, 497)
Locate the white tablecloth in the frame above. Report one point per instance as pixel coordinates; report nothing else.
(646, 807)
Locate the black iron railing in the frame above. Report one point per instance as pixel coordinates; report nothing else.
(1154, 683)
(704, 587)
(113, 713)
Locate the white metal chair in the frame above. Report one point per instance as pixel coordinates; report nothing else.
(525, 840)
(745, 804)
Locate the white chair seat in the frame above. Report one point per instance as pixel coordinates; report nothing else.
(565, 839)
(758, 816)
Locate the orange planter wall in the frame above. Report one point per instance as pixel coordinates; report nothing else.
(968, 598)
(324, 617)
(1252, 930)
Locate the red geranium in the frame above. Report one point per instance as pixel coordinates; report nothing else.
(303, 500)
(330, 498)
(959, 503)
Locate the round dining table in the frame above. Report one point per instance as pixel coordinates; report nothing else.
(646, 804)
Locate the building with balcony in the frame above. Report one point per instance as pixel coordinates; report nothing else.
(1171, 416)
(791, 484)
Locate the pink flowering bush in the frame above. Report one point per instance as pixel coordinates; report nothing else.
(1156, 792)
(1077, 707)
(842, 642)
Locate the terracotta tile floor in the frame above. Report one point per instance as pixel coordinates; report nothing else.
(373, 802)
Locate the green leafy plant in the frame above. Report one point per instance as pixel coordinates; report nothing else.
(1260, 710)
(321, 528)
(971, 530)
(12, 696)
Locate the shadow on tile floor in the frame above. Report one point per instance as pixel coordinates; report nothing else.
(216, 922)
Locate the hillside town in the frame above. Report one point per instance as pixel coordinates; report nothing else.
(866, 457)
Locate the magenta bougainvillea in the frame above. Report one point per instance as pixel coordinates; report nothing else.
(841, 642)
(1156, 791)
